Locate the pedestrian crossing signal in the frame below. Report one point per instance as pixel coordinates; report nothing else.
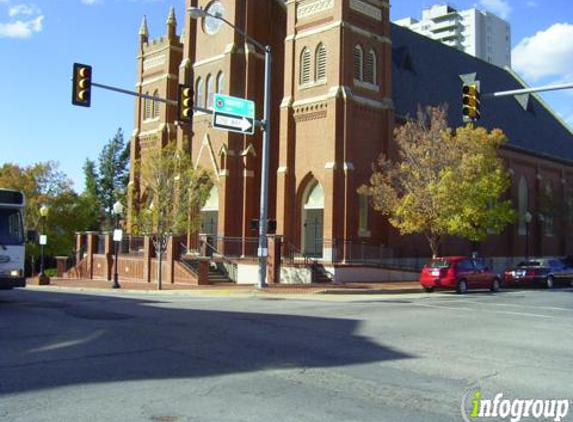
(82, 85)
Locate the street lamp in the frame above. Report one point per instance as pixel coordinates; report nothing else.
(43, 238)
(196, 13)
(117, 235)
(527, 218)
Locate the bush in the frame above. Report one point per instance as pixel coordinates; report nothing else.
(51, 272)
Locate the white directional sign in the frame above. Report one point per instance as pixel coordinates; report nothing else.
(233, 114)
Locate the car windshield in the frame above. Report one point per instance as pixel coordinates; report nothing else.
(530, 264)
(438, 263)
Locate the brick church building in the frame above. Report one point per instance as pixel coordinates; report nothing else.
(342, 77)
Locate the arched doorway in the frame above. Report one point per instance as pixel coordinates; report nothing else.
(313, 220)
(210, 213)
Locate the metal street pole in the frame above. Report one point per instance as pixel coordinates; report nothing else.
(528, 90)
(42, 247)
(115, 284)
(527, 241)
(263, 247)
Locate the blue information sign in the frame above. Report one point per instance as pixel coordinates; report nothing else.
(233, 114)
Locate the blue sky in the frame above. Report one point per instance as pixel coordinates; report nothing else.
(40, 39)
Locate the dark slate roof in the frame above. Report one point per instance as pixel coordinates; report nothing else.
(426, 72)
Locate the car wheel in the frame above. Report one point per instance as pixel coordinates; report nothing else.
(462, 287)
(550, 282)
(495, 285)
(428, 289)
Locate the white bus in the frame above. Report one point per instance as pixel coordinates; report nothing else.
(12, 241)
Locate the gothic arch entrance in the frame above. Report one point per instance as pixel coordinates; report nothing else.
(313, 219)
(210, 213)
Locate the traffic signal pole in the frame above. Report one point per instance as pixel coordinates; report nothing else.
(528, 90)
(149, 97)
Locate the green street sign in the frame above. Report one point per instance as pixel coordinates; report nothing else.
(233, 114)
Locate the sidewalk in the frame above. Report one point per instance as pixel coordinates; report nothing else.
(231, 288)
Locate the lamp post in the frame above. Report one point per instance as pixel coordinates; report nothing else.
(196, 13)
(527, 218)
(43, 238)
(117, 235)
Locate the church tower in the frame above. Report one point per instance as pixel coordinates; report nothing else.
(227, 63)
(158, 63)
(336, 118)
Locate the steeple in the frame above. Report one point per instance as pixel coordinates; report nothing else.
(171, 24)
(143, 31)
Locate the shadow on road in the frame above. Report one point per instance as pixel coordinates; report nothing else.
(56, 339)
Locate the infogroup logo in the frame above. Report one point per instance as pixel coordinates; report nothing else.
(497, 408)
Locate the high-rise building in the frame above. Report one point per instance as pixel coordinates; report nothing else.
(476, 32)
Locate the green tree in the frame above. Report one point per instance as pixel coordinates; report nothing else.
(89, 197)
(112, 173)
(444, 182)
(175, 191)
(45, 184)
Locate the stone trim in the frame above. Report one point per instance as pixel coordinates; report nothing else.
(150, 51)
(209, 60)
(153, 62)
(366, 85)
(304, 11)
(366, 9)
(157, 79)
(337, 24)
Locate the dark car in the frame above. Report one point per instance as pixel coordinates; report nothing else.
(458, 272)
(546, 272)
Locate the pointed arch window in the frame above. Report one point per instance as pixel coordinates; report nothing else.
(522, 204)
(370, 67)
(210, 91)
(220, 83)
(146, 107)
(358, 63)
(320, 63)
(200, 93)
(156, 104)
(305, 66)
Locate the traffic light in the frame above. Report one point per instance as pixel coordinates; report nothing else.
(471, 102)
(185, 103)
(82, 85)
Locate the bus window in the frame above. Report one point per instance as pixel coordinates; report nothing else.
(11, 231)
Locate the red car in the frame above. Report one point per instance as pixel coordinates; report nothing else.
(458, 272)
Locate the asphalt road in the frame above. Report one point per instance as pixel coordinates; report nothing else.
(117, 356)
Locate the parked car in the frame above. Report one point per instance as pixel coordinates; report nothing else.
(547, 272)
(460, 273)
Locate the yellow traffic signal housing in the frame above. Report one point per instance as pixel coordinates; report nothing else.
(471, 102)
(82, 85)
(185, 103)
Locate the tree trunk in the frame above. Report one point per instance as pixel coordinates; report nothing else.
(159, 284)
(434, 242)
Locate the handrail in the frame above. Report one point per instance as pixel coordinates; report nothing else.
(315, 265)
(225, 260)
